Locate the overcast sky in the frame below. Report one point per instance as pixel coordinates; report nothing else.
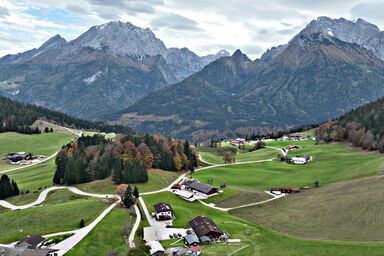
(204, 26)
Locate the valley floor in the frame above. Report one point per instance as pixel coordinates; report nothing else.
(346, 206)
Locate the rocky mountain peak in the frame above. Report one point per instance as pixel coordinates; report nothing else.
(238, 55)
(121, 39)
(54, 42)
(358, 32)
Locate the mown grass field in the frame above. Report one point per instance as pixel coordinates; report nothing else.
(39, 144)
(332, 163)
(346, 211)
(210, 155)
(256, 240)
(34, 177)
(108, 235)
(54, 216)
(158, 179)
(73, 133)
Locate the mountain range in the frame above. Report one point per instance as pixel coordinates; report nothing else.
(328, 68)
(107, 68)
(124, 74)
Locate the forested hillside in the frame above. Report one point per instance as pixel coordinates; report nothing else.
(126, 158)
(17, 117)
(363, 127)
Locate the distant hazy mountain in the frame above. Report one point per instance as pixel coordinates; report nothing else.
(315, 77)
(107, 68)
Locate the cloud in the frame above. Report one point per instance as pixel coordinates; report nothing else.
(372, 12)
(4, 11)
(175, 22)
(202, 26)
(76, 8)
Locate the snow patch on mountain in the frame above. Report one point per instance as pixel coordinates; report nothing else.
(93, 78)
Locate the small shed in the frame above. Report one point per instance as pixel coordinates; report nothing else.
(191, 239)
(156, 248)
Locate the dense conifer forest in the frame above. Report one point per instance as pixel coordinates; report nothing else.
(17, 117)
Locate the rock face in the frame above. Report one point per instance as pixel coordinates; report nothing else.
(359, 32)
(107, 68)
(313, 78)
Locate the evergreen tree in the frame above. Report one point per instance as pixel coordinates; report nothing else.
(136, 192)
(82, 223)
(7, 187)
(128, 199)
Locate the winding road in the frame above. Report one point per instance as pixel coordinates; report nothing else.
(79, 234)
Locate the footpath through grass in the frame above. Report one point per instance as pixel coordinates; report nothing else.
(347, 211)
(108, 236)
(211, 155)
(35, 177)
(39, 144)
(255, 240)
(332, 163)
(48, 218)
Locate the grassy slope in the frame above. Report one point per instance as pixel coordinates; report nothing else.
(56, 128)
(110, 231)
(40, 144)
(326, 168)
(158, 179)
(48, 218)
(349, 211)
(210, 155)
(258, 241)
(35, 177)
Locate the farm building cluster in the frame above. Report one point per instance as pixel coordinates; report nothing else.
(22, 158)
(296, 137)
(191, 190)
(202, 230)
(299, 159)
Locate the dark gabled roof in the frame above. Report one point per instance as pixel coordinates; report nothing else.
(194, 184)
(162, 207)
(33, 240)
(203, 226)
(39, 252)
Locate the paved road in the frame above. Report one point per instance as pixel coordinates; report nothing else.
(244, 205)
(131, 237)
(29, 165)
(79, 234)
(50, 157)
(43, 195)
(146, 212)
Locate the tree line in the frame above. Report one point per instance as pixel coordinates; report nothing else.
(8, 187)
(127, 158)
(17, 117)
(353, 132)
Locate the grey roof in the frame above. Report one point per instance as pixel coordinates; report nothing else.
(17, 251)
(191, 239)
(196, 185)
(205, 239)
(33, 240)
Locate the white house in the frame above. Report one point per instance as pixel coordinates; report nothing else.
(163, 211)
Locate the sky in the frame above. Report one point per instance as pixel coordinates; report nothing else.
(203, 26)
